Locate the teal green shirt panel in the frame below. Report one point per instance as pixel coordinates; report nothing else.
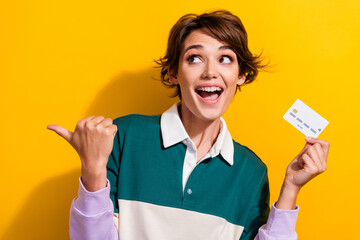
(113, 164)
(141, 169)
(258, 209)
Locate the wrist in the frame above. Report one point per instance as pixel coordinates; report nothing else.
(94, 180)
(289, 187)
(287, 197)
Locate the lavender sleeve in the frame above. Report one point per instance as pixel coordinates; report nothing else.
(280, 225)
(91, 215)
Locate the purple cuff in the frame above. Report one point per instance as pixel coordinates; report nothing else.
(92, 203)
(281, 223)
(91, 215)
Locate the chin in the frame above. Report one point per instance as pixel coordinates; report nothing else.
(210, 113)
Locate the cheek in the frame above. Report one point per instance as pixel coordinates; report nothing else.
(186, 76)
(232, 75)
(232, 81)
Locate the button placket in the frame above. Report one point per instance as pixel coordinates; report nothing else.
(190, 163)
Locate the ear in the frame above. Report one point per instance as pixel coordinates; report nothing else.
(241, 80)
(172, 77)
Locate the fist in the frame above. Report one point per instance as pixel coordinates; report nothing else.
(93, 141)
(310, 162)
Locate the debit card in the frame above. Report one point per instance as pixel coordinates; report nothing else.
(305, 119)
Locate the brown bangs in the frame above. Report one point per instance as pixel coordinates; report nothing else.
(221, 25)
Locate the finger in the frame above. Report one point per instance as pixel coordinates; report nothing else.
(301, 162)
(107, 122)
(94, 121)
(309, 164)
(81, 123)
(111, 130)
(321, 154)
(63, 132)
(114, 129)
(88, 118)
(324, 144)
(314, 155)
(97, 119)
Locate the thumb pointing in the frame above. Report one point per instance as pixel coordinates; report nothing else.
(63, 132)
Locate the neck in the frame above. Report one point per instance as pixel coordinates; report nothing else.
(202, 132)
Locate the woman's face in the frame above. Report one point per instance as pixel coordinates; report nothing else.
(208, 74)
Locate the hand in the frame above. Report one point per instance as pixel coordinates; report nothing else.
(93, 141)
(309, 163)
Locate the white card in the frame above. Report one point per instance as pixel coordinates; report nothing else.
(305, 119)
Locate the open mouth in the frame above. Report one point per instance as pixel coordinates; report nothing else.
(209, 93)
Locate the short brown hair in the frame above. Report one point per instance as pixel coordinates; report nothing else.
(221, 25)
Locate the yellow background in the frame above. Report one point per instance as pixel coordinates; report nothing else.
(63, 60)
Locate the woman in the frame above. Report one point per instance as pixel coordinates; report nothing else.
(180, 175)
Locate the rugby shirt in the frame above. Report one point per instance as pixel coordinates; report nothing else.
(221, 200)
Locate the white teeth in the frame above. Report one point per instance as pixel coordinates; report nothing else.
(209, 89)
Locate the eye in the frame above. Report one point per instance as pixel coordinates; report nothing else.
(193, 59)
(225, 59)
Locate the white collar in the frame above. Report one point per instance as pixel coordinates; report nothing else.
(173, 132)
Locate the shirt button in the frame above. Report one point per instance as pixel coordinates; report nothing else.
(189, 191)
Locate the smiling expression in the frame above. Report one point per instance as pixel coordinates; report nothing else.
(208, 75)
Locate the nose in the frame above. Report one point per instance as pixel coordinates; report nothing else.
(210, 70)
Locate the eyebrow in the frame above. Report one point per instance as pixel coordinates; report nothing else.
(201, 47)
